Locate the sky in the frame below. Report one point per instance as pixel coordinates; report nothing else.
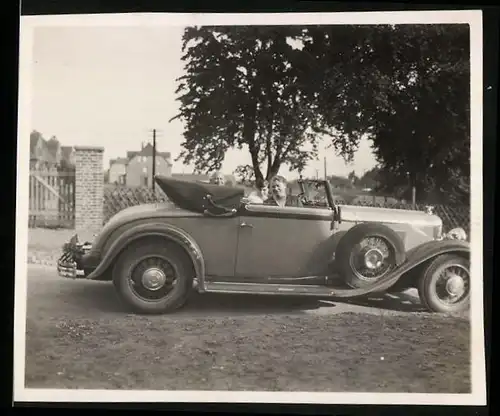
(110, 86)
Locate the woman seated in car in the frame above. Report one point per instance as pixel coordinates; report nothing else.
(260, 195)
(279, 195)
(217, 178)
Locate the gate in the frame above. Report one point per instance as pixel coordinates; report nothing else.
(52, 199)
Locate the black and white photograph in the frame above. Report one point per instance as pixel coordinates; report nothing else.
(257, 208)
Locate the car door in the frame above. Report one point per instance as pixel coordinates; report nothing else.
(279, 242)
(217, 239)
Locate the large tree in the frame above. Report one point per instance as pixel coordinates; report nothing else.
(241, 90)
(279, 90)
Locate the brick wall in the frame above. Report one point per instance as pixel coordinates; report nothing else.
(89, 189)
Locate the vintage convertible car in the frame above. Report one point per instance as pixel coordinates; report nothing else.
(210, 238)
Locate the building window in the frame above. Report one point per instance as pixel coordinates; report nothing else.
(145, 170)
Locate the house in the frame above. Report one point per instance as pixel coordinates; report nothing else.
(67, 158)
(54, 148)
(49, 154)
(117, 171)
(137, 168)
(40, 156)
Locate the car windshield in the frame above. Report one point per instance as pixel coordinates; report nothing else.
(310, 194)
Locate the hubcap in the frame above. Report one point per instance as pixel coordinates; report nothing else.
(373, 258)
(153, 278)
(452, 285)
(455, 285)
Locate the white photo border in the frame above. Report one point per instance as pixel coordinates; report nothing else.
(478, 374)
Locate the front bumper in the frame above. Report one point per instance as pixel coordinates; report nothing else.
(70, 264)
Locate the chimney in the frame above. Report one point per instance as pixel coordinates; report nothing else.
(142, 145)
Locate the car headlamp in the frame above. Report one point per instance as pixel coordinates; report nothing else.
(456, 234)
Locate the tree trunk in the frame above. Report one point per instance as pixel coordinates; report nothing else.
(259, 180)
(249, 130)
(274, 169)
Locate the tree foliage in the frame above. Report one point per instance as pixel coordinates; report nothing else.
(409, 92)
(278, 91)
(244, 175)
(371, 179)
(240, 90)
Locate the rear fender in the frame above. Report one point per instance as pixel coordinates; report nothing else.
(167, 231)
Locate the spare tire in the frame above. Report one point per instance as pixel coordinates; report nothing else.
(367, 253)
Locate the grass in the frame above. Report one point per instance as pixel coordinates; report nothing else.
(346, 352)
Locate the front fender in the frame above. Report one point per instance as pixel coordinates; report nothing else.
(426, 251)
(168, 231)
(422, 254)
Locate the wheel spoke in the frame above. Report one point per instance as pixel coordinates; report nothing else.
(371, 258)
(152, 278)
(452, 284)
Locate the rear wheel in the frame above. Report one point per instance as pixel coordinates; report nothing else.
(444, 285)
(367, 253)
(153, 276)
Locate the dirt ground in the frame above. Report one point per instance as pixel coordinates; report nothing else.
(80, 336)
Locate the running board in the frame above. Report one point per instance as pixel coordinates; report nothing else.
(267, 289)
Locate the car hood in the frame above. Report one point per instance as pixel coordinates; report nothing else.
(356, 213)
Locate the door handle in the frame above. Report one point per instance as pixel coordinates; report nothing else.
(246, 225)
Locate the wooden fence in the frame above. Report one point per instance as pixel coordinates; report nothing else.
(52, 199)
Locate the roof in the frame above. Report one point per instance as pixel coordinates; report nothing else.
(66, 150)
(118, 161)
(34, 137)
(53, 145)
(66, 153)
(50, 147)
(146, 151)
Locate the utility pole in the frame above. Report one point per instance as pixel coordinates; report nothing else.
(153, 171)
(154, 159)
(324, 162)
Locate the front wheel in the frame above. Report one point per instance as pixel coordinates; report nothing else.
(153, 277)
(444, 285)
